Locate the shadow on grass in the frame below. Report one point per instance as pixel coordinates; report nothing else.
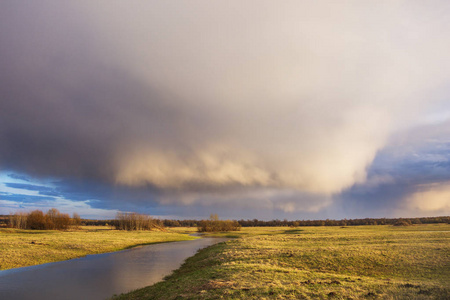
(293, 231)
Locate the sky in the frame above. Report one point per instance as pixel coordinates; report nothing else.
(248, 109)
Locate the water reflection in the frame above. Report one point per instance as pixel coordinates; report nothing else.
(99, 276)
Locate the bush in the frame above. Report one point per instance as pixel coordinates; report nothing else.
(52, 220)
(216, 225)
(135, 221)
(36, 220)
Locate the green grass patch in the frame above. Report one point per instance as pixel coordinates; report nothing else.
(364, 262)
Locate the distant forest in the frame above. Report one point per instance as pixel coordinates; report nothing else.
(327, 222)
(4, 219)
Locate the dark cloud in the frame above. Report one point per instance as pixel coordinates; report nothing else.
(19, 176)
(102, 195)
(22, 198)
(146, 104)
(42, 190)
(64, 111)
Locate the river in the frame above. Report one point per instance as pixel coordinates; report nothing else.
(99, 276)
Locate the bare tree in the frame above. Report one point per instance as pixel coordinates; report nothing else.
(76, 220)
(135, 221)
(19, 220)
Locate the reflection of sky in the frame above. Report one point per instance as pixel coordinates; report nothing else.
(101, 275)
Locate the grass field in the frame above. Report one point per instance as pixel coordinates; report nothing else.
(362, 262)
(20, 248)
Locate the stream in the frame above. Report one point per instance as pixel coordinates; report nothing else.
(99, 276)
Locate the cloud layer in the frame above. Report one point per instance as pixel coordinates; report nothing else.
(205, 102)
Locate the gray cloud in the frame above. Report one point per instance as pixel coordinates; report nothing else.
(215, 102)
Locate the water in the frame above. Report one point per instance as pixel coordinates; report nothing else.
(99, 276)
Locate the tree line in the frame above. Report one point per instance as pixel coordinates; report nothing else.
(295, 223)
(126, 221)
(346, 222)
(327, 222)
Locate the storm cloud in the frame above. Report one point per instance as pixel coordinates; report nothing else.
(252, 104)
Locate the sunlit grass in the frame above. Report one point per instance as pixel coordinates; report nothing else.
(19, 248)
(382, 262)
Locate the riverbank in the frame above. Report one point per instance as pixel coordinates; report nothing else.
(21, 248)
(382, 262)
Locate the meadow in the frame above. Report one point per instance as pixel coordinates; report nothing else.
(359, 262)
(20, 248)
